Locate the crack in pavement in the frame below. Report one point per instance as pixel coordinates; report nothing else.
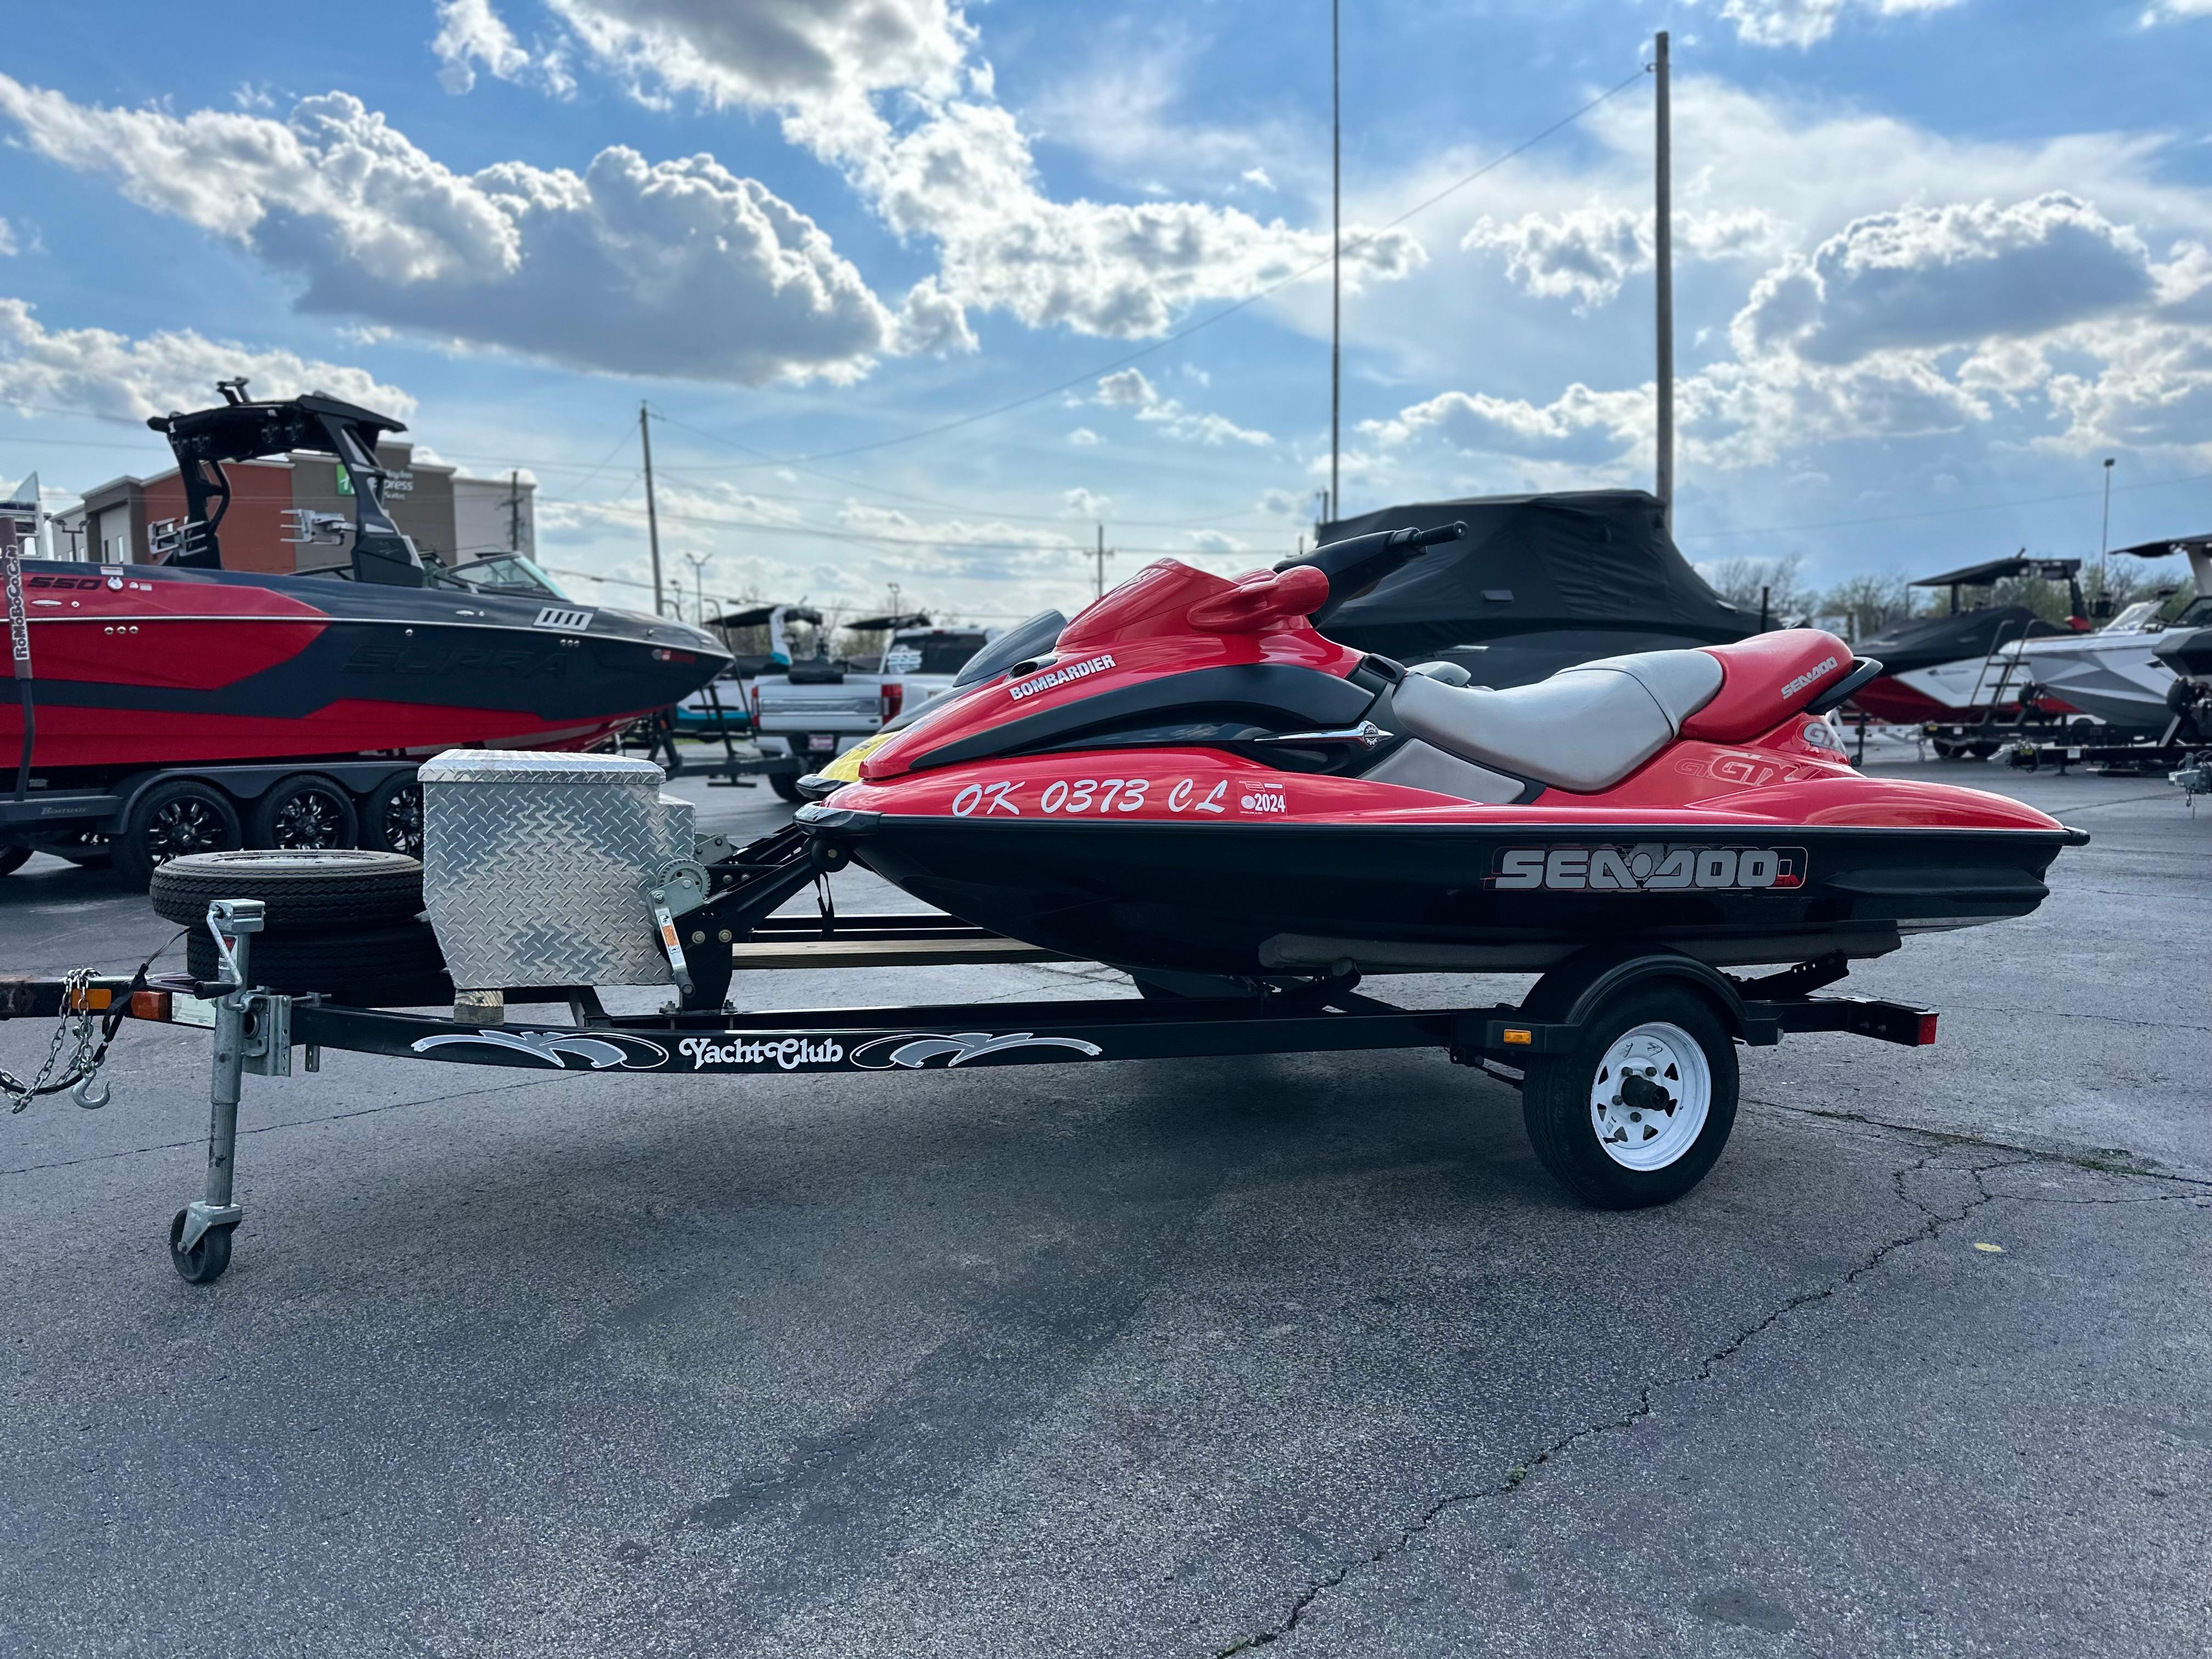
(2062, 1013)
(1933, 1221)
(2101, 1160)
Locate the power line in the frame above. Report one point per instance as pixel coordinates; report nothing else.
(1226, 312)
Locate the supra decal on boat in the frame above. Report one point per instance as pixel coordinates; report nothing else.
(785, 1054)
(600, 1053)
(1827, 665)
(915, 1049)
(566, 620)
(1067, 676)
(1647, 867)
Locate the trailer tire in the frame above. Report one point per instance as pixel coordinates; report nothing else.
(305, 810)
(786, 783)
(1664, 1043)
(308, 891)
(391, 816)
(355, 965)
(173, 820)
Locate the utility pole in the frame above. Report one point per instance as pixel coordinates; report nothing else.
(1100, 556)
(2105, 535)
(515, 513)
(652, 515)
(1335, 238)
(1664, 267)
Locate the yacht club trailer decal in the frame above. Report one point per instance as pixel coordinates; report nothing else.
(1646, 867)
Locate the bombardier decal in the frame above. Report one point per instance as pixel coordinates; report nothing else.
(1647, 867)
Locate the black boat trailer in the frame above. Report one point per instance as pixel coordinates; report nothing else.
(258, 1032)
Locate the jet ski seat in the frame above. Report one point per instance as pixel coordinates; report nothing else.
(1584, 729)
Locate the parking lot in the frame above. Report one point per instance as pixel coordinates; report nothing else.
(1178, 1358)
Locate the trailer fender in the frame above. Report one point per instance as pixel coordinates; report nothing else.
(1569, 996)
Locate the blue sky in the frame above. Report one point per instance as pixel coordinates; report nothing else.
(1931, 256)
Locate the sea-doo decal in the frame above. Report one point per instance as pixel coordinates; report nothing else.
(563, 620)
(1647, 867)
(1826, 666)
(784, 1054)
(915, 1049)
(1065, 675)
(600, 1053)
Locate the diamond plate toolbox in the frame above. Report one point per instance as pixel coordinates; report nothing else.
(535, 867)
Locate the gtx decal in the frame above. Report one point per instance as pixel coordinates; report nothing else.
(1067, 676)
(1648, 867)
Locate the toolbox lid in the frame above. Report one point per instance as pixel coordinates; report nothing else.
(538, 766)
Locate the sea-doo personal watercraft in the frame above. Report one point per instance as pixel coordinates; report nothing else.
(2115, 673)
(185, 662)
(1946, 667)
(1192, 778)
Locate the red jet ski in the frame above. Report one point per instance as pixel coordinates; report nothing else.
(1192, 781)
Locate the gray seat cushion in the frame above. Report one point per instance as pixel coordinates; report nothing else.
(1584, 729)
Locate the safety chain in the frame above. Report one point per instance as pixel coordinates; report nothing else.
(88, 1038)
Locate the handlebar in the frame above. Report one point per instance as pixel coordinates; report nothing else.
(1357, 563)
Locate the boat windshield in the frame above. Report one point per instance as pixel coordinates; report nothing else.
(2199, 614)
(2137, 618)
(508, 573)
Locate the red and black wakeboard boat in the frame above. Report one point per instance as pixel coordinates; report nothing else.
(186, 663)
(1951, 667)
(1192, 780)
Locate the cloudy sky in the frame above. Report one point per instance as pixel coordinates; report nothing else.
(912, 283)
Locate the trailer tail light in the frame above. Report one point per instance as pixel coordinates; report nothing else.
(1926, 1035)
(894, 699)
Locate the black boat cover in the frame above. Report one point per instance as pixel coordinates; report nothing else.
(1596, 561)
(1955, 637)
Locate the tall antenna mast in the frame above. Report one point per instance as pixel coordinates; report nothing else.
(1663, 262)
(1336, 250)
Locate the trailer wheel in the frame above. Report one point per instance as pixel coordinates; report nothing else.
(306, 810)
(172, 820)
(1637, 1112)
(391, 817)
(786, 783)
(207, 1260)
(13, 858)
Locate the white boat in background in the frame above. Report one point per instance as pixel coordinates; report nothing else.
(2114, 673)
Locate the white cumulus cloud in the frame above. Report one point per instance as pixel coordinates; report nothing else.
(104, 372)
(470, 32)
(1128, 388)
(1802, 23)
(679, 268)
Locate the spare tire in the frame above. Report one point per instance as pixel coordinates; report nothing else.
(353, 966)
(304, 889)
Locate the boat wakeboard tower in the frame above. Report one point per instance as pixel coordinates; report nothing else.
(1196, 783)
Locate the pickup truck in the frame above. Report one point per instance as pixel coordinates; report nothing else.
(821, 706)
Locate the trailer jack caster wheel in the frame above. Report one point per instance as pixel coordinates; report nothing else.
(209, 1254)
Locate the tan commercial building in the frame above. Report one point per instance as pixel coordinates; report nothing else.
(450, 519)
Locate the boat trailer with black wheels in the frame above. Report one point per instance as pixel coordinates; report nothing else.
(1625, 1056)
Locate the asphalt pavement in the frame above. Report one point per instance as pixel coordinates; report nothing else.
(1173, 1358)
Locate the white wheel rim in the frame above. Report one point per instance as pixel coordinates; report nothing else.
(1651, 1096)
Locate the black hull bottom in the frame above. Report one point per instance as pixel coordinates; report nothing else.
(1288, 898)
